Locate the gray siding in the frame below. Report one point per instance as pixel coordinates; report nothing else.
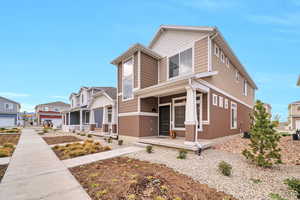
(15, 108)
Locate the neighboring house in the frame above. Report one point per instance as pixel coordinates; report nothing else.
(9, 112)
(268, 108)
(51, 112)
(92, 108)
(187, 80)
(294, 115)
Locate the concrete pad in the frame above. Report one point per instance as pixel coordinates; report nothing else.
(73, 162)
(4, 161)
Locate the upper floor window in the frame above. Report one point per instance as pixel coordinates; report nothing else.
(237, 75)
(217, 50)
(8, 106)
(127, 78)
(181, 63)
(215, 99)
(226, 103)
(227, 62)
(222, 57)
(46, 108)
(220, 101)
(245, 88)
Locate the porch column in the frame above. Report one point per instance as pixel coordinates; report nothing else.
(190, 116)
(105, 120)
(69, 118)
(81, 127)
(92, 120)
(114, 119)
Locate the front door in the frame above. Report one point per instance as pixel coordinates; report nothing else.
(164, 120)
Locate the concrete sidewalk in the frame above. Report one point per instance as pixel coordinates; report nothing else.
(35, 172)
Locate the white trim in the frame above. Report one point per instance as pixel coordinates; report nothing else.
(216, 53)
(227, 61)
(139, 69)
(215, 99)
(245, 87)
(222, 57)
(120, 94)
(226, 103)
(221, 101)
(138, 113)
(224, 93)
(209, 65)
(170, 125)
(235, 109)
(130, 57)
(158, 71)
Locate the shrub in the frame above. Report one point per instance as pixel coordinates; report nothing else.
(264, 150)
(120, 142)
(182, 154)
(109, 140)
(89, 135)
(8, 145)
(106, 148)
(294, 184)
(131, 197)
(45, 130)
(256, 181)
(276, 196)
(149, 149)
(4, 153)
(82, 134)
(225, 168)
(159, 198)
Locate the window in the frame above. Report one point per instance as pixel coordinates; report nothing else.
(46, 108)
(179, 116)
(226, 103)
(237, 75)
(221, 101)
(127, 79)
(222, 57)
(217, 50)
(245, 88)
(181, 63)
(233, 116)
(109, 114)
(227, 62)
(215, 100)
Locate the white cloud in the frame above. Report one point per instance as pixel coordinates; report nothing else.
(27, 107)
(208, 4)
(13, 94)
(288, 19)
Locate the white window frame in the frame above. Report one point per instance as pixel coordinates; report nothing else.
(222, 57)
(216, 50)
(226, 103)
(237, 75)
(245, 88)
(124, 61)
(179, 75)
(215, 99)
(233, 107)
(227, 61)
(221, 101)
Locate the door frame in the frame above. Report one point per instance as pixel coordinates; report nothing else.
(162, 105)
(296, 123)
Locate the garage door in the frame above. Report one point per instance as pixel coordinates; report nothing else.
(298, 124)
(7, 121)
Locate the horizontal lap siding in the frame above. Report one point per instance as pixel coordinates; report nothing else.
(120, 77)
(149, 71)
(201, 55)
(127, 106)
(149, 104)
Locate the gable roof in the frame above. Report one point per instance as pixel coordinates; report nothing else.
(215, 35)
(298, 83)
(56, 103)
(6, 99)
(111, 92)
(295, 102)
(136, 47)
(97, 89)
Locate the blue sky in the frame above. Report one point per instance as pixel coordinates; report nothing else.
(50, 48)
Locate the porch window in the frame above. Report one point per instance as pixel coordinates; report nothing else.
(233, 116)
(181, 63)
(179, 112)
(128, 79)
(109, 114)
(245, 88)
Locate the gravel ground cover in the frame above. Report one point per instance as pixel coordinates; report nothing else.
(290, 149)
(2, 171)
(247, 181)
(7, 138)
(61, 139)
(130, 179)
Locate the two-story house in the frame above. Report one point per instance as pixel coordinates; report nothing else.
(9, 112)
(92, 108)
(50, 113)
(294, 115)
(187, 80)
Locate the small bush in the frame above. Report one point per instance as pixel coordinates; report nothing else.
(45, 130)
(294, 184)
(182, 154)
(131, 197)
(109, 140)
(8, 145)
(120, 142)
(225, 168)
(276, 196)
(4, 153)
(82, 134)
(89, 135)
(159, 198)
(149, 149)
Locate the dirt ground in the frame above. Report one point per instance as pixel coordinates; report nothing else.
(61, 139)
(8, 138)
(130, 179)
(290, 149)
(2, 171)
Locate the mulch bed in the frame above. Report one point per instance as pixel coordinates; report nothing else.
(130, 179)
(2, 171)
(61, 139)
(79, 149)
(7, 138)
(290, 149)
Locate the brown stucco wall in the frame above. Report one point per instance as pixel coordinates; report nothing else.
(149, 71)
(201, 55)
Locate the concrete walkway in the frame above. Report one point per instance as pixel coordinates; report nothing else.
(73, 162)
(4, 161)
(35, 172)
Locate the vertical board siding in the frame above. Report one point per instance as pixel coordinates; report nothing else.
(201, 55)
(149, 71)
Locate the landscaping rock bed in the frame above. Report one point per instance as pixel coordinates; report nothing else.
(7, 138)
(79, 149)
(247, 182)
(2, 171)
(61, 139)
(131, 179)
(290, 149)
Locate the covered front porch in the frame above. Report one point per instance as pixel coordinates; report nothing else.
(76, 120)
(182, 109)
